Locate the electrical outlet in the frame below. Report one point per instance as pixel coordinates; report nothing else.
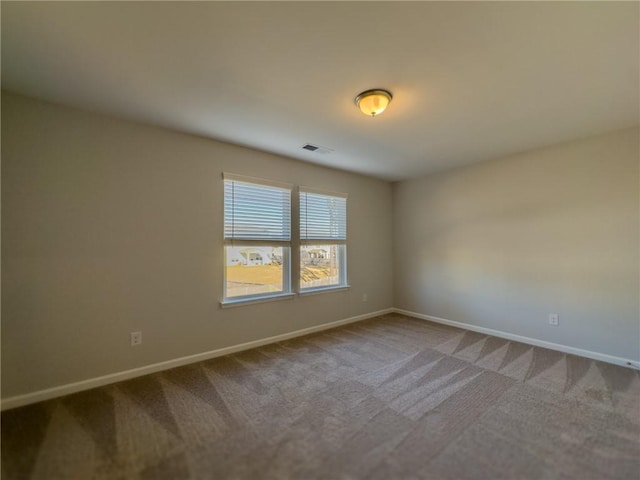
(554, 319)
(364, 297)
(136, 338)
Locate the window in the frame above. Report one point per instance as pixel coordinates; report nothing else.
(257, 236)
(323, 237)
(258, 240)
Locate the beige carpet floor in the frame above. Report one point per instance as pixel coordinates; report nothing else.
(387, 398)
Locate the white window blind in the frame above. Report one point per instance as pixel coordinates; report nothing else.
(322, 217)
(256, 212)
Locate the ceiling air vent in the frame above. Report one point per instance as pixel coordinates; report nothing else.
(316, 148)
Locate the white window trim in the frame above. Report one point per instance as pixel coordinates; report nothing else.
(291, 249)
(321, 191)
(240, 301)
(319, 290)
(342, 267)
(287, 246)
(258, 181)
(269, 296)
(343, 280)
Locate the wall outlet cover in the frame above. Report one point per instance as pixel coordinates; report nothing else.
(136, 338)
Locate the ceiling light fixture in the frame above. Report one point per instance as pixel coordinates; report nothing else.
(373, 102)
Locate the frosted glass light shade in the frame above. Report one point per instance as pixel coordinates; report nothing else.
(373, 102)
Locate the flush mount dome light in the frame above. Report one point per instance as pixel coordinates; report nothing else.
(373, 102)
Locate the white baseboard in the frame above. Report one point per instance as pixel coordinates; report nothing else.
(625, 362)
(49, 393)
(26, 399)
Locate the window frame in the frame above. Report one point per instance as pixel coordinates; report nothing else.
(286, 245)
(291, 256)
(342, 284)
(340, 242)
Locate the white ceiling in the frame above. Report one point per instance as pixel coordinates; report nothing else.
(471, 80)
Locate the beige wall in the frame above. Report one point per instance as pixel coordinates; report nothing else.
(110, 227)
(501, 244)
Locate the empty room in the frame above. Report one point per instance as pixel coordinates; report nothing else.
(320, 240)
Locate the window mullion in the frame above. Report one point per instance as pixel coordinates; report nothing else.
(295, 241)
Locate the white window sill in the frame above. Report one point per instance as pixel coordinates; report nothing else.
(317, 291)
(249, 301)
